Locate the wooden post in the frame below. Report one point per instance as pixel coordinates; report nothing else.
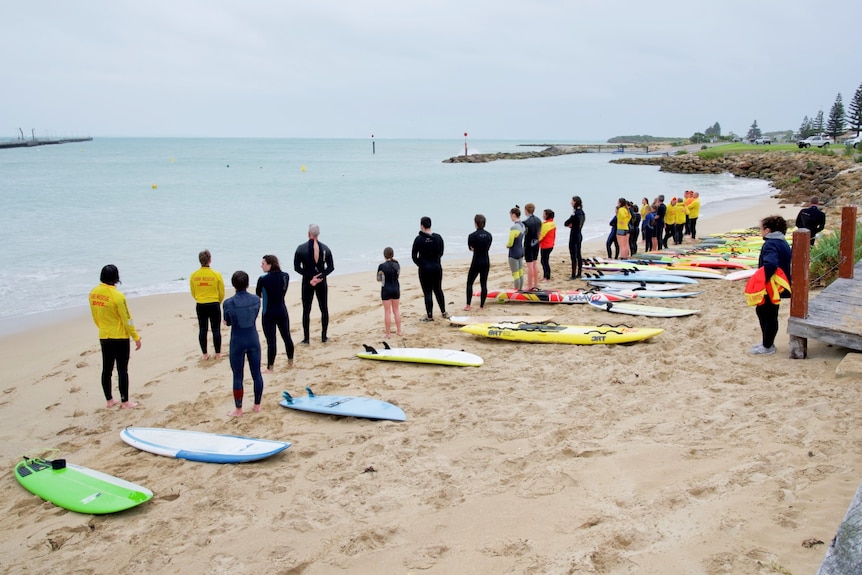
(373, 146)
(846, 259)
(465, 143)
(800, 273)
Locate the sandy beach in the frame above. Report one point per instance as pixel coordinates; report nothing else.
(681, 454)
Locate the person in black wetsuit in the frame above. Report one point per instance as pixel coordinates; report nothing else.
(390, 291)
(271, 289)
(426, 253)
(812, 218)
(313, 261)
(575, 223)
(240, 313)
(532, 229)
(479, 243)
(612, 241)
(661, 229)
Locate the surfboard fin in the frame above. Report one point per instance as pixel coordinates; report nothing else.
(369, 349)
(308, 390)
(287, 397)
(386, 345)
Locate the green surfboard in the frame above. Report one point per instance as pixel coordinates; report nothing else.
(78, 488)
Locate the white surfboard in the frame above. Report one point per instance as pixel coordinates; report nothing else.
(666, 294)
(644, 276)
(201, 446)
(422, 355)
(651, 286)
(344, 405)
(645, 310)
(740, 275)
(468, 319)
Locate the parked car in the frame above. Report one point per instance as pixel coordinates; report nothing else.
(763, 140)
(853, 142)
(816, 141)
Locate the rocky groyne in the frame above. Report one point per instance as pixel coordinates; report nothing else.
(548, 152)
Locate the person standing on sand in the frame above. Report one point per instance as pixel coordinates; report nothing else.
(648, 228)
(390, 291)
(479, 243)
(634, 228)
(427, 253)
(612, 241)
(547, 239)
(575, 223)
(313, 262)
(644, 205)
(812, 218)
(271, 289)
(775, 262)
(207, 287)
(532, 229)
(515, 243)
(660, 215)
(111, 315)
(240, 314)
(623, 219)
(693, 214)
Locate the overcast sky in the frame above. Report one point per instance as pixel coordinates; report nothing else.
(549, 70)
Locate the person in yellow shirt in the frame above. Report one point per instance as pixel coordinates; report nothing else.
(207, 288)
(111, 315)
(693, 214)
(623, 219)
(675, 220)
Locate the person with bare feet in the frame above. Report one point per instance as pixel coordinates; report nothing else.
(390, 291)
(240, 314)
(479, 242)
(207, 287)
(427, 253)
(532, 230)
(271, 289)
(313, 262)
(111, 315)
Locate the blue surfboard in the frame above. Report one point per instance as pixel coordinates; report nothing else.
(345, 405)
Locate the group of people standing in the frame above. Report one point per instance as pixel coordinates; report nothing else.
(529, 241)
(312, 261)
(661, 223)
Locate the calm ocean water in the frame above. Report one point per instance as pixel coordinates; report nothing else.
(149, 205)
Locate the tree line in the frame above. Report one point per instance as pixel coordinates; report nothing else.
(837, 123)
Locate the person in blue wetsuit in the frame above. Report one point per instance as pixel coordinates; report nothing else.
(426, 253)
(313, 261)
(271, 288)
(479, 243)
(240, 314)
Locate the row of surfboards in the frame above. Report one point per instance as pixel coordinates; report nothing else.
(86, 490)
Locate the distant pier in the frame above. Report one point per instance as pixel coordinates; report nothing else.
(21, 143)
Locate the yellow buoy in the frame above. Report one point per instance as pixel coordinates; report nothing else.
(155, 186)
(303, 167)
